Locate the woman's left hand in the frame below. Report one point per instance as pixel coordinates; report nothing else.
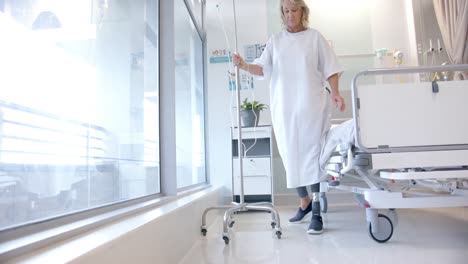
(339, 102)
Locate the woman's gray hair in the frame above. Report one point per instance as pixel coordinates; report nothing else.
(305, 12)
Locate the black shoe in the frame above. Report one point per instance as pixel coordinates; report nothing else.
(316, 225)
(301, 214)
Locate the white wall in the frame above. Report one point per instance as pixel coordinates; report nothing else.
(391, 27)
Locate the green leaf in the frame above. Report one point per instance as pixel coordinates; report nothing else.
(255, 105)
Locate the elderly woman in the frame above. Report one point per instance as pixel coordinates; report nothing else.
(299, 60)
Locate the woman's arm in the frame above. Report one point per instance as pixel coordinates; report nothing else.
(336, 97)
(251, 68)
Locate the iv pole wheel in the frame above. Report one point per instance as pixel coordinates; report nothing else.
(278, 234)
(273, 224)
(203, 231)
(226, 240)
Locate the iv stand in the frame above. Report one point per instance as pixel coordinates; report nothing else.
(241, 206)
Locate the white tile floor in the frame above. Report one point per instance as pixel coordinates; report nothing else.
(421, 236)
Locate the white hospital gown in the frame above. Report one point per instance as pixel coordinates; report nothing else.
(298, 65)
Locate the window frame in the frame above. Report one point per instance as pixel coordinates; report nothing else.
(202, 35)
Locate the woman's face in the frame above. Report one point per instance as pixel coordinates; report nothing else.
(293, 16)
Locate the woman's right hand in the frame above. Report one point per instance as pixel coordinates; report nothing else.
(237, 60)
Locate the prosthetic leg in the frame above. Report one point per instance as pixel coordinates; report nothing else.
(316, 223)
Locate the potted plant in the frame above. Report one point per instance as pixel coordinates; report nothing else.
(250, 112)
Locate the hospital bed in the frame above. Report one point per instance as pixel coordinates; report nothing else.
(410, 147)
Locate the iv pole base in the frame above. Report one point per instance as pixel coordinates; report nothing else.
(228, 219)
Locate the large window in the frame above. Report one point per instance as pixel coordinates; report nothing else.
(190, 136)
(79, 105)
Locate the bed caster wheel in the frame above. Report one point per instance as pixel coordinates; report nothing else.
(203, 231)
(273, 225)
(231, 224)
(385, 229)
(392, 214)
(226, 240)
(323, 203)
(334, 183)
(278, 234)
